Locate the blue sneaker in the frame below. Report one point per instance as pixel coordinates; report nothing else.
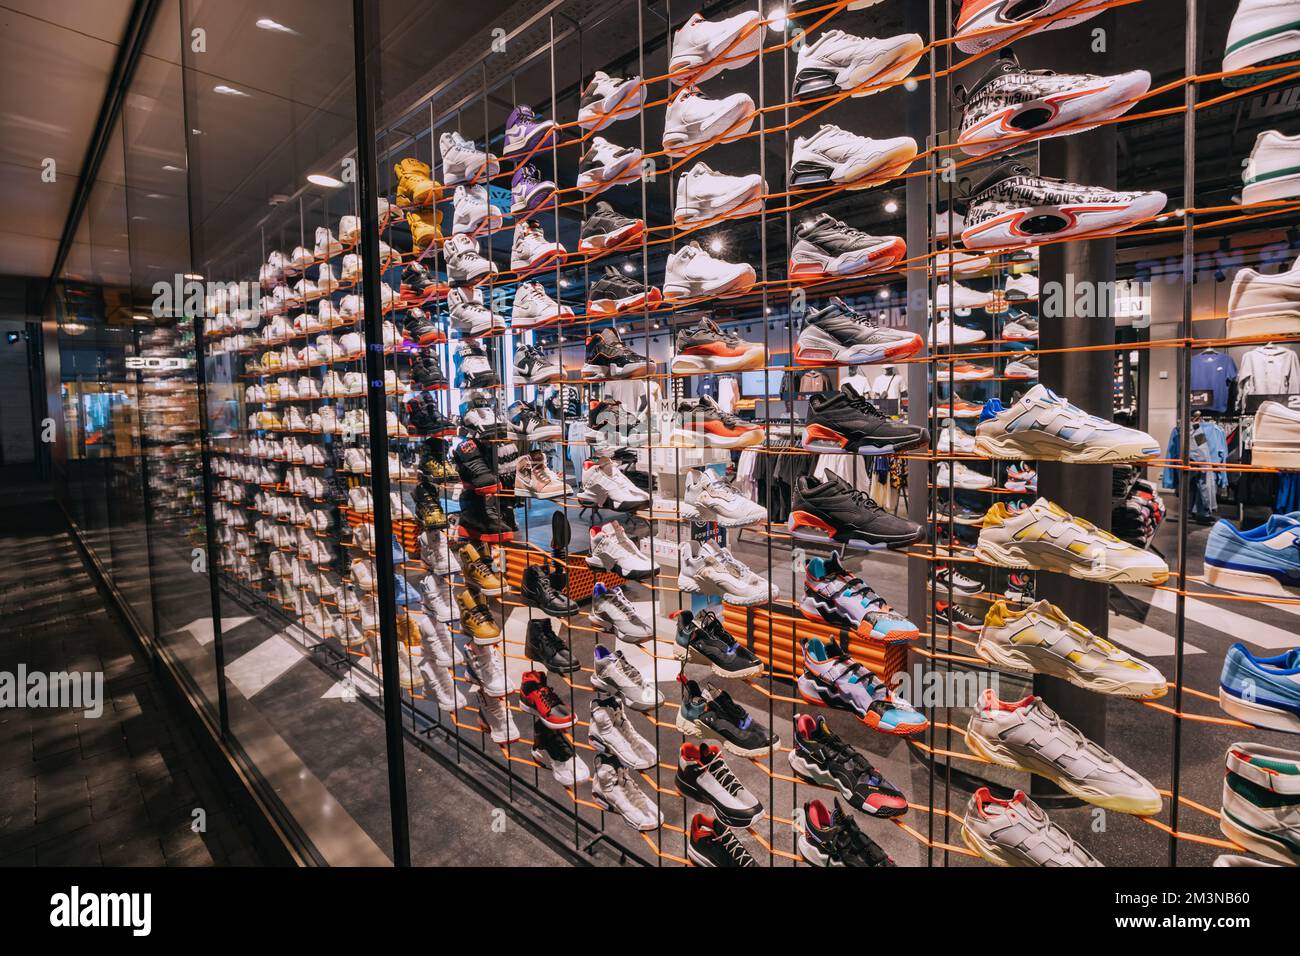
(834, 596)
(1263, 560)
(1263, 691)
(403, 594)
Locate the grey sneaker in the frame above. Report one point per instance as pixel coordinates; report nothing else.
(1046, 427)
(613, 789)
(1027, 735)
(1016, 832)
(611, 611)
(611, 732)
(613, 673)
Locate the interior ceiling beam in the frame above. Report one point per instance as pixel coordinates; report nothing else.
(129, 51)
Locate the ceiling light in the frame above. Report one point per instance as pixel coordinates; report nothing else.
(777, 19)
(891, 206)
(266, 23)
(225, 90)
(629, 268)
(154, 196)
(884, 293)
(194, 276)
(173, 169)
(716, 244)
(320, 179)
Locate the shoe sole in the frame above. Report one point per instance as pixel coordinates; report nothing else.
(618, 569)
(688, 654)
(1259, 715)
(1018, 662)
(739, 285)
(1075, 219)
(613, 240)
(651, 298)
(686, 364)
(1247, 582)
(860, 175)
(1256, 842)
(863, 262)
(827, 441)
(1009, 448)
(994, 554)
(700, 439)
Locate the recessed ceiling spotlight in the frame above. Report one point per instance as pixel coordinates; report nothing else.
(891, 206)
(629, 267)
(884, 293)
(716, 244)
(320, 179)
(225, 90)
(777, 19)
(266, 23)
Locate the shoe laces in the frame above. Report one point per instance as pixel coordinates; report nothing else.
(479, 614)
(624, 667)
(722, 703)
(733, 847)
(717, 767)
(848, 837)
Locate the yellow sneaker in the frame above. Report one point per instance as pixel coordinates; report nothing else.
(479, 573)
(476, 618)
(425, 229)
(415, 184)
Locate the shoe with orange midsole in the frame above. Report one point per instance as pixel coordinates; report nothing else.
(705, 423)
(847, 423)
(707, 348)
(831, 511)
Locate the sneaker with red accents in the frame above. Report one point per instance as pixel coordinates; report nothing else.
(824, 759)
(537, 695)
(703, 422)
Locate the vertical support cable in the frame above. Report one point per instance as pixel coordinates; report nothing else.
(364, 16)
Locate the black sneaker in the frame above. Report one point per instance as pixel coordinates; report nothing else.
(609, 359)
(543, 645)
(428, 506)
(948, 580)
(712, 843)
(957, 514)
(475, 366)
(535, 367)
(616, 292)
(476, 465)
(551, 749)
(417, 283)
(832, 510)
(826, 247)
(822, 758)
(606, 228)
(704, 347)
(1020, 588)
(526, 423)
(426, 370)
(422, 328)
(481, 519)
(956, 615)
(539, 591)
(703, 775)
(424, 417)
(1012, 206)
(715, 716)
(846, 422)
(703, 638)
(609, 424)
(832, 838)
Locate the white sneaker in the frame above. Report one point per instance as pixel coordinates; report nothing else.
(962, 477)
(608, 98)
(611, 611)
(435, 553)
(613, 789)
(1262, 32)
(465, 264)
(613, 550)
(463, 161)
(837, 156)
(703, 194)
(444, 686)
(692, 273)
(326, 282)
(533, 308)
(692, 119)
(961, 263)
(301, 259)
(606, 164)
(361, 501)
(944, 330)
(474, 213)
(1262, 304)
(711, 498)
(486, 667)
(1273, 171)
(605, 486)
(470, 317)
(699, 46)
(716, 572)
(351, 268)
(327, 247)
(947, 295)
(952, 440)
(495, 717)
(1022, 287)
(611, 731)
(531, 250)
(837, 62)
(612, 673)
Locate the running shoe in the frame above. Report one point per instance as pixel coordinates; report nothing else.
(1261, 801)
(607, 98)
(837, 62)
(1010, 104)
(1040, 639)
(707, 348)
(613, 674)
(834, 596)
(1046, 427)
(1261, 691)
(832, 838)
(703, 49)
(839, 335)
(831, 678)
(1012, 206)
(609, 359)
(848, 423)
(985, 24)
(821, 757)
(703, 776)
(711, 714)
(712, 843)
(702, 638)
(1027, 735)
(831, 510)
(826, 248)
(1045, 537)
(693, 120)
(703, 422)
(715, 572)
(834, 155)
(1016, 832)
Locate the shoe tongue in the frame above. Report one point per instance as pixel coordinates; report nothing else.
(1006, 170)
(1041, 393)
(838, 814)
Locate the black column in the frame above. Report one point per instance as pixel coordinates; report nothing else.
(1086, 378)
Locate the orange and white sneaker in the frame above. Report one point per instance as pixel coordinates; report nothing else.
(962, 372)
(704, 423)
(979, 21)
(707, 348)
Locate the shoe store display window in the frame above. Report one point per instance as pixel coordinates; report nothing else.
(840, 434)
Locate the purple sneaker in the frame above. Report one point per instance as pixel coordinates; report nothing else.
(529, 192)
(525, 132)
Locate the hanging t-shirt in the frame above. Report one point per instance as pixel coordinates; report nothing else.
(1213, 372)
(1268, 370)
(887, 386)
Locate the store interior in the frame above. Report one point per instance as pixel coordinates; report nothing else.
(846, 433)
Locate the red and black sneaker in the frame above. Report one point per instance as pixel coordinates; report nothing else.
(959, 617)
(423, 329)
(538, 697)
(474, 464)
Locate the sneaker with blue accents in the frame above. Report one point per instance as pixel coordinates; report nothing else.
(1263, 560)
(1046, 427)
(834, 596)
(832, 678)
(1263, 691)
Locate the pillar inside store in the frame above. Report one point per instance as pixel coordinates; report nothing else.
(1086, 378)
